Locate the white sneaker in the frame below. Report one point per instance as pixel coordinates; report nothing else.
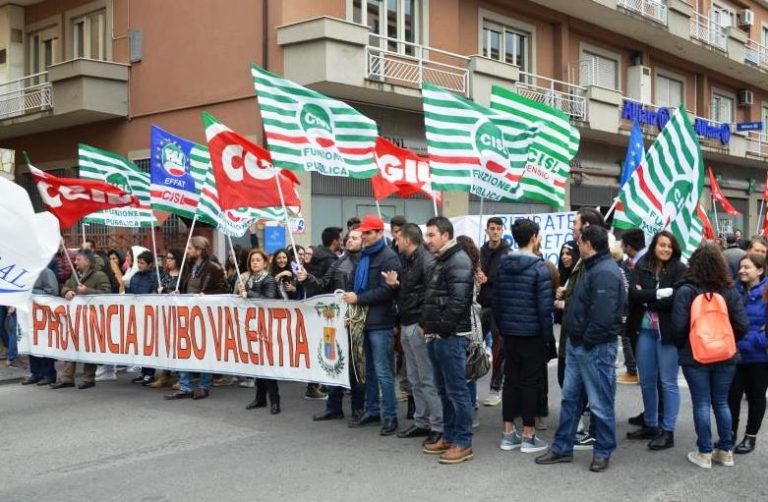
(510, 441)
(722, 457)
(106, 376)
(533, 445)
(248, 383)
(703, 460)
(493, 399)
(476, 421)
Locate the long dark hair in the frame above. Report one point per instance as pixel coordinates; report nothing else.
(655, 264)
(564, 273)
(469, 247)
(707, 267)
(273, 268)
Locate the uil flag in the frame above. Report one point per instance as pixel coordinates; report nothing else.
(307, 131)
(173, 188)
(245, 176)
(719, 196)
(101, 165)
(635, 153)
(554, 143)
(400, 171)
(663, 193)
(468, 149)
(70, 199)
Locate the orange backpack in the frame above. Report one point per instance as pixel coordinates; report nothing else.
(711, 334)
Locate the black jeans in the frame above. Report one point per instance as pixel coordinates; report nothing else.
(751, 379)
(525, 373)
(497, 369)
(267, 386)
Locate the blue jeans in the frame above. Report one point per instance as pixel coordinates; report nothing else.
(656, 361)
(13, 340)
(591, 371)
(379, 374)
(185, 381)
(709, 386)
(449, 359)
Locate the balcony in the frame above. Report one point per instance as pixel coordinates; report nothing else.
(72, 93)
(655, 10)
(569, 98)
(757, 145)
(709, 32)
(756, 54)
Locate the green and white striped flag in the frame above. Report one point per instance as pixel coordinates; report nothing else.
(235, 222)
(469, 149)
(664, 191)
(307, 131)
(544, 175)
(102, 165)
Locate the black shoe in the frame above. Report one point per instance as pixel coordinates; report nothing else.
(30, 380)
(147, 379)
(365, 419)
(328, 415)
(746, 446)
(433, 438)
(256, 403)
(46, 381)
(411, 408)
(138, 379)
(413, 432)
(553, 458)
(389, 427)
(638, 420)
(665, 440)
(274, 409)
(599, 464)
(644, 433)
(62, 385)
(356, 414)
(87, 385)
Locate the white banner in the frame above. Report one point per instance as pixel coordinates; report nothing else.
(303, 341)
(555, 229)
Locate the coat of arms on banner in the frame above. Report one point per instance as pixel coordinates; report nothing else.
(329, 354)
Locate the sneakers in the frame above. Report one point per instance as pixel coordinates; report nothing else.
(533, 445)
(105, 375)
(314, 392)
(583, 442)
(703, 460)
(510, 441)
(627, 379)
(722, 457)
(456, 455)
(248, 383)
(493, 399)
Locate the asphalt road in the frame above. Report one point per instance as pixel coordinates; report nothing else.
(122, 442)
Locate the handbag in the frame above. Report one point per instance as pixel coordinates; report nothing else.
(478, 360)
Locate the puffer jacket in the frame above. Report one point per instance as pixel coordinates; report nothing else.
(261, 287)
(338, 276)
(448, 298)
(413, 282)
(644, 299)
(594, 311)
(322, 259)
(489, 264)
(524, 302)
(378, 296)
(753, 348)
(143, 283)
(681, 319)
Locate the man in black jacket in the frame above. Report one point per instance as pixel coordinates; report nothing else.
(594, 318)
(417, 267)
(369, 289)
(446, 321)
(324, 256)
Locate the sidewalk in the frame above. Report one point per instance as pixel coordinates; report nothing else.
(11, 374)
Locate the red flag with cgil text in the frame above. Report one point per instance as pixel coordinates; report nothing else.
(400, 171)
(719, 196)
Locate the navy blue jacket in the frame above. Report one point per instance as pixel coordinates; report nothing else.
(753, 348)
(523, 303)
(595, 309)
(143, 283)
(378, 297)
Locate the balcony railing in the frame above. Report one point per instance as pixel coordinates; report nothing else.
(708, 31)
(24, 95)
(655, 10)
(406, 63)
(569, 98)
(756, 54)
(757, 144)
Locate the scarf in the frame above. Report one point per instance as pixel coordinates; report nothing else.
(361, 274)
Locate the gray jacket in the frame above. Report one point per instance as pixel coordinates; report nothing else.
(46, 283)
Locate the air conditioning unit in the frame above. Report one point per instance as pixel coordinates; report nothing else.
(746, 17)
(745, 97)
(639, 83)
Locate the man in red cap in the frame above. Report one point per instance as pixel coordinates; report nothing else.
(370, 290)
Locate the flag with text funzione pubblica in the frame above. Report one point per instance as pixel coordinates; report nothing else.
(102, 165)
(468, 149)
(555, 142)
(173, 189)
(307, 131)
(664, 192)
(635, 153)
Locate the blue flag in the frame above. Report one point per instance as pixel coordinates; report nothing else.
(635, 154)
(173, 188)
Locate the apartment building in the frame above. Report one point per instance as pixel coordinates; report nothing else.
(101, 72)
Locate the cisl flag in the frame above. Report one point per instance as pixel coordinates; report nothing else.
(401, 171)
(70, 199)
(245, 176)
(173, 187)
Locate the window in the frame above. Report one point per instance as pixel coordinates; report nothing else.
(89, 36)
(42, 50)
(599, 70)
(506, 44)
(669, 91)
(722, 108)
(764, 39)
(397, 21)
(722, 15)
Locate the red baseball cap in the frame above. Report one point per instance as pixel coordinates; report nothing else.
(371, 222)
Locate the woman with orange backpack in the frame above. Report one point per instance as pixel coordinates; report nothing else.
(708, 318)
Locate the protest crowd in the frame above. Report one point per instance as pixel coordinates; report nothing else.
(439, 313)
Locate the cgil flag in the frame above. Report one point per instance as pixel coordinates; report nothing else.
(400, 171)
(719, 196)
(70, 199)
(664, 192)
(707, 230)
(102, 165)
(307, 131)
(554, 143)
(173, 188)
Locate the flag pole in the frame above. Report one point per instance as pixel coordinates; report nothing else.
(480, 223)
(285, 215)
(154, 253)
(760, 216)
(434, 204)
(378, 208)
(234, 259)
(717, 220)
(82, 227)
(69, 260)
(184, 256)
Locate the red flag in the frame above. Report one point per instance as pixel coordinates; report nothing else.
(401, 171)
(70, 199)
(719, 196)
(245, 176)
(765, 189)
(709, 231)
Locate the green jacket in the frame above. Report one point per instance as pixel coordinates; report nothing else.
(96, 281)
